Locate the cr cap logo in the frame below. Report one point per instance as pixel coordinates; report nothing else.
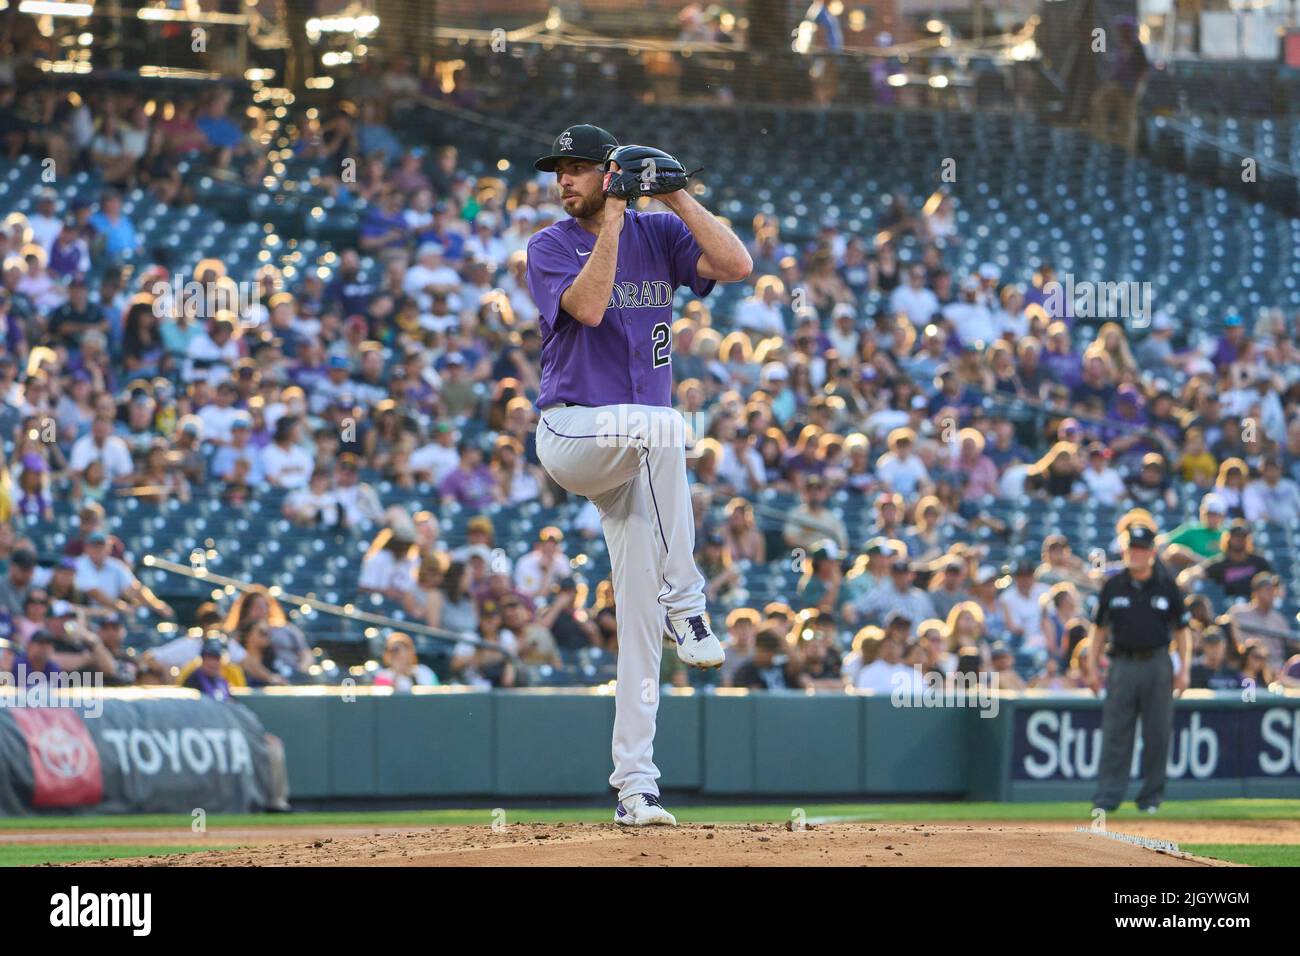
(62, 753)
(566, 141)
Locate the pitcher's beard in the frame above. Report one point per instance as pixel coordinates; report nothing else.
(581, 207)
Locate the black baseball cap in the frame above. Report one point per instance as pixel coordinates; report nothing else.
(1140, 536)
(579, 142)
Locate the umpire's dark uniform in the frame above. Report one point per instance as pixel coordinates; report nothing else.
(1142, 617)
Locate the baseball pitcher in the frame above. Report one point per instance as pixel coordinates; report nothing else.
(603, 281)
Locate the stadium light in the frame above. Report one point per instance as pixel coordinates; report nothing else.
(164, 14)
(361, 26)
(65, 66)
(176, 73)
(1024, 51)
(44, 8)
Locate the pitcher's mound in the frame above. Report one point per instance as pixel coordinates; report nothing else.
(575, 844)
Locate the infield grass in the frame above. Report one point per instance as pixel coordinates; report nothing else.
(1251, 854)
(34, 854)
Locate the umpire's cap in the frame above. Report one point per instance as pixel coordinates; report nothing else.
(579, 142)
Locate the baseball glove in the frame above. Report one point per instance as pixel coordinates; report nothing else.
(643, 171)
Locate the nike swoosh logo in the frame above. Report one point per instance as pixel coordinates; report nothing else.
(581, 253)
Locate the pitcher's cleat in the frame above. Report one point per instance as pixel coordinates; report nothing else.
(697, 645)
(643, 810)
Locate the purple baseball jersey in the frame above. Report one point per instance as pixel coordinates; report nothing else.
(627, 359)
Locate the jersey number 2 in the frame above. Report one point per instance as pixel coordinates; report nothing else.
(662, 337)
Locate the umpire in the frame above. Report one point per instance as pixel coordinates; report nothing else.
(1140, 610)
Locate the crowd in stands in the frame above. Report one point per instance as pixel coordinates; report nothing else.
(329, 382)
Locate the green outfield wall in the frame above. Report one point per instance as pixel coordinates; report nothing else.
(450, 742)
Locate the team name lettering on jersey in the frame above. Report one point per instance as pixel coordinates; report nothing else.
(648, 295)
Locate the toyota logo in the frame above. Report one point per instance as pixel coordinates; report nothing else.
(63, 754)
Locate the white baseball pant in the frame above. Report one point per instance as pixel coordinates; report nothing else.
(630, 460)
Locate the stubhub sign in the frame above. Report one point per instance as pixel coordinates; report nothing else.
(1061, 742)
(1275, 737)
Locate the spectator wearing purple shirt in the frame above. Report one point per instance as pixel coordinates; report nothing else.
(11, 326)
(37, 659)
(1041, 287)
(1029, 367)
(1229, 344)
(384, 226)
(206, 678)
(1059, 359)
(471, 483)
(69, 254)
(419, 393)
(952, 394)
(347, 288)
(1094, 383)
(1004, 449)
(1129, 433)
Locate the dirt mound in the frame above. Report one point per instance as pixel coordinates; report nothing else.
(576, 844)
